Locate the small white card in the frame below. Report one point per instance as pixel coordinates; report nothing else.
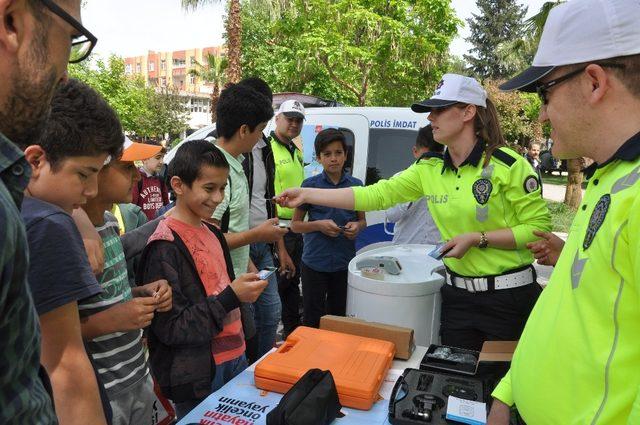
(466, 411)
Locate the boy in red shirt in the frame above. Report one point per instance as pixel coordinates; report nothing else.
(198, 345)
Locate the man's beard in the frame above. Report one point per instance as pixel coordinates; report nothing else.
(25, 112)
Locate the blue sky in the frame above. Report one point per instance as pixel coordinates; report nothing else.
(131, 27)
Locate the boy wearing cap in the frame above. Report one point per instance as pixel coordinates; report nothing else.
(82, 133)
(112, 321)
(288, 172)
(151, 193)
(578, 358)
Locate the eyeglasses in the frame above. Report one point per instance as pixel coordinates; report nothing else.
(543, 89)
(82, 44)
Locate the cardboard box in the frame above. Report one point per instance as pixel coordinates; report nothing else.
(497, 351)
(401, 337)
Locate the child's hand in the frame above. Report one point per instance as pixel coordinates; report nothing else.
(352, 229)
(328, 227)
(269, 231)
(134, 314)
(160, 290)
(248, 287)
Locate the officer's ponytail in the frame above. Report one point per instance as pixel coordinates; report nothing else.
(487, 128)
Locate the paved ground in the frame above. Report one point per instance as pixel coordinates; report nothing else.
(554, 192)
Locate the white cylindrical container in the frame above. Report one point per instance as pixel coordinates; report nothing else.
(410, 299)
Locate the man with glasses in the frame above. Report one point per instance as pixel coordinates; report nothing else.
(288, 171)
(36, 40)
(578, 360)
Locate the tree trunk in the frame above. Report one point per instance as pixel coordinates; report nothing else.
(234, 39)
(215, 96)
(573, 195)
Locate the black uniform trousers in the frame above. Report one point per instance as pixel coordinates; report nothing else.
(289, 287)
(323, 293)
(470, 318)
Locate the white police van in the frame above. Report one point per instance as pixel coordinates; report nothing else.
(379, 143)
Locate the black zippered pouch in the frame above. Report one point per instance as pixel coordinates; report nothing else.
(313, 400)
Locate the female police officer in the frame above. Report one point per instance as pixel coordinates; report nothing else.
(486, 202)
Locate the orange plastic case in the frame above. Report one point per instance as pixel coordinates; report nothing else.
(358, 365)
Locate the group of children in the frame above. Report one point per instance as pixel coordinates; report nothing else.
(184, 295)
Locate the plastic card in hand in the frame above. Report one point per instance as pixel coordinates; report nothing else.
(435, 253)
(266, 273)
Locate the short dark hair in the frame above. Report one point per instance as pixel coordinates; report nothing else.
(81, 124)
(425, 140)
(328, 136)
(627, 70)
(241, 105)
(259, 85)
(192, 156)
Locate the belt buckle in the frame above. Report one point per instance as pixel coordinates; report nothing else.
(469, 283)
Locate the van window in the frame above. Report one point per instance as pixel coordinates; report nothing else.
(389, 152)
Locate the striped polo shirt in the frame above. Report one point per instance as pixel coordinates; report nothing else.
(119, 357)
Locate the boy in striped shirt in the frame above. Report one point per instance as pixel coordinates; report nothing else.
(112, 321)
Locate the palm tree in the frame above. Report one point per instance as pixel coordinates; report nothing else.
(234, 35)
(573, 194)
(212, 72)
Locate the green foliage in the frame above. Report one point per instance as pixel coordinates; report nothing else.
(518, 116)
(212, 71)
(359, 52)
(561, 216)
(142, 111)
(499, 20)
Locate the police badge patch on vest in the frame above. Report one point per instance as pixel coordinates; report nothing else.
(482, 190)
(531, 184)
(597, 218)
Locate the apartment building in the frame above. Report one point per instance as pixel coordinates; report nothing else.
(172, 69)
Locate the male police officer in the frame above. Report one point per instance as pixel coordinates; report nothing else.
(578, 360)
(35, 42)
(289, 172)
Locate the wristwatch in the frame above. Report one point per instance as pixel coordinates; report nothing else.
(484, 242)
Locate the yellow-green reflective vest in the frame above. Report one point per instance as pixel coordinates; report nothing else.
(289, 172)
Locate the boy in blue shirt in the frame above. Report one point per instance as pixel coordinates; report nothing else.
(329, 234)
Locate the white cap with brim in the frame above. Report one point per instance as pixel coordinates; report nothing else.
(452, 89)
(582, 31)
(291, 109)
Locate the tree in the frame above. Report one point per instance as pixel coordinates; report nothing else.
(498, 20)
(359, 52)
(142, 110)
(213, 72)
(573, 193)
(518, 126)
(166, 114)
(233, 35)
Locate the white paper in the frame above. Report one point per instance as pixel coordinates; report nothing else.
(466, 411)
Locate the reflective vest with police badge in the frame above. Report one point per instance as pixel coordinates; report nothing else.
(289, 172)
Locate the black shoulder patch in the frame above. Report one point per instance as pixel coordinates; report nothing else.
(428, 155)
(504, 157)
